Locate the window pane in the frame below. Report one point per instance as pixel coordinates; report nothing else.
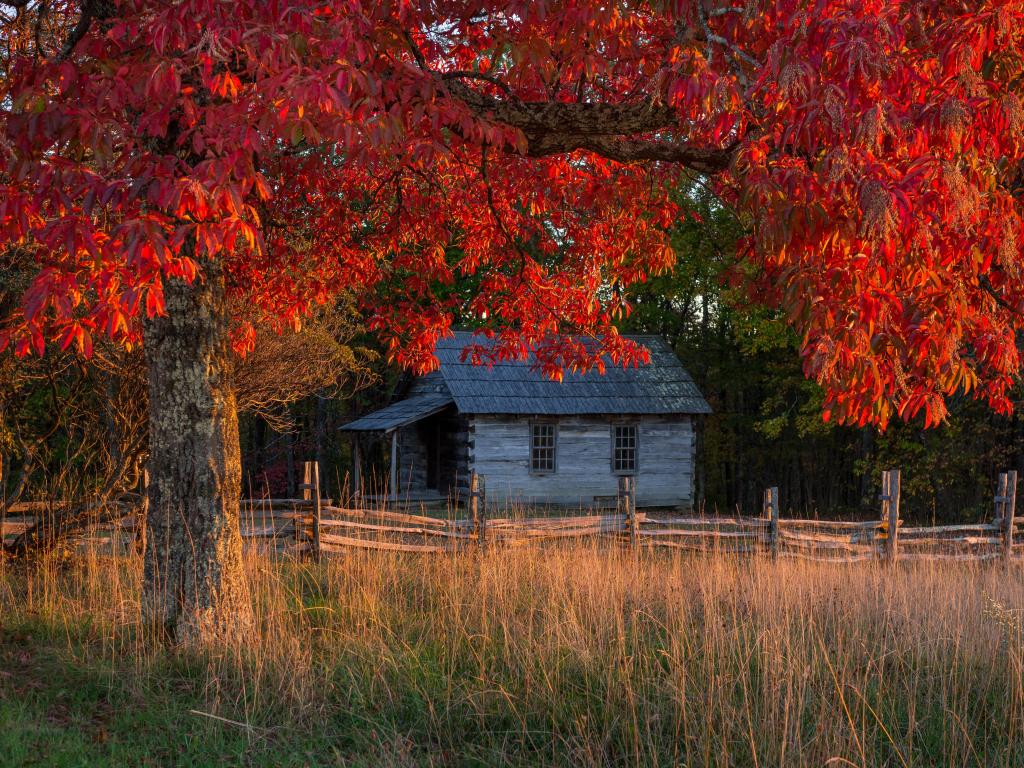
(542, 448)
(624, 444)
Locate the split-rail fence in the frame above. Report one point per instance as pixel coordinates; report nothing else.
(312, 527)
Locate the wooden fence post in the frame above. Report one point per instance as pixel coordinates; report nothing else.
(627, 507)
(634, 518)
(475, 509)
(891, 513)
(894, 514)
(771, 511)
(1000, 498)
(317, 495)
(481, 493)
(883, 525)
(619, 494)
(1008, 481)
(1000, 504)
(621, 504)
(311, 493)
(298, 513)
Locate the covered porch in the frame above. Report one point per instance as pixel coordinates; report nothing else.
(423, 448)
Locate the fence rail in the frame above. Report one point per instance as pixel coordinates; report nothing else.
(312, 526)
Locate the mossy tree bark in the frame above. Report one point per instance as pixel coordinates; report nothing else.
(194, 585)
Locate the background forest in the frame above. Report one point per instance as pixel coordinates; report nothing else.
(74, 427)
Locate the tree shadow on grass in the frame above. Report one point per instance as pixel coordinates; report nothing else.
(65, 703)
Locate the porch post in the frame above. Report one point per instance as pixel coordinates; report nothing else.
(357, 467)
(394, 465)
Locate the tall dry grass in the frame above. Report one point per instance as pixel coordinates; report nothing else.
(580, 654)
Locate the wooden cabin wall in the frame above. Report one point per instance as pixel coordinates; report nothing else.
(412, 461)
(500, 451)
(455, 467)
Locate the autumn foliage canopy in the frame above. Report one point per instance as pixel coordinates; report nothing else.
(529, 150)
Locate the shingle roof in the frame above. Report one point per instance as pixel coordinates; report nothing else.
(517, 387)
(400, 413)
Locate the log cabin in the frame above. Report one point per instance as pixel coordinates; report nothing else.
(538, 441)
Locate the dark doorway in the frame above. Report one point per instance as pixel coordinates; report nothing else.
(432, 443)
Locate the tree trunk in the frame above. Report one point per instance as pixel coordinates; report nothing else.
(194, 585)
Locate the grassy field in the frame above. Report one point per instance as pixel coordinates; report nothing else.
(575, 655)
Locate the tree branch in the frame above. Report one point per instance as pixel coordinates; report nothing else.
(465, 74)
(552, 127)
(91, 10)
(555, 127)
(701, 159)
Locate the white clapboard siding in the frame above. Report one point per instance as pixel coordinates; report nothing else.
(583, 474)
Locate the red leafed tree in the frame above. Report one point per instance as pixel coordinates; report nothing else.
(164, 161)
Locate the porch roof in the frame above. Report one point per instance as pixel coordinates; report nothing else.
(401, 413)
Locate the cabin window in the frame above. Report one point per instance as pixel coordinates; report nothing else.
(543, 440)
(624, 444)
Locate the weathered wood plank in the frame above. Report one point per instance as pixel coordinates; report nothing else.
(947, 540)
(501, 453)
(405, 530)
(911, 531)
(557, 522)
(540, 533)
(838, 524)
(277, 515)
(842, 539)
(709, 522)
(827, 559)
(824, 546)
(20, 507)
(707, 534)
(329, 541)
(692, 546)
(16, 527)
(257, 503)
(268, 533)
(941, 556)
(381, 514)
